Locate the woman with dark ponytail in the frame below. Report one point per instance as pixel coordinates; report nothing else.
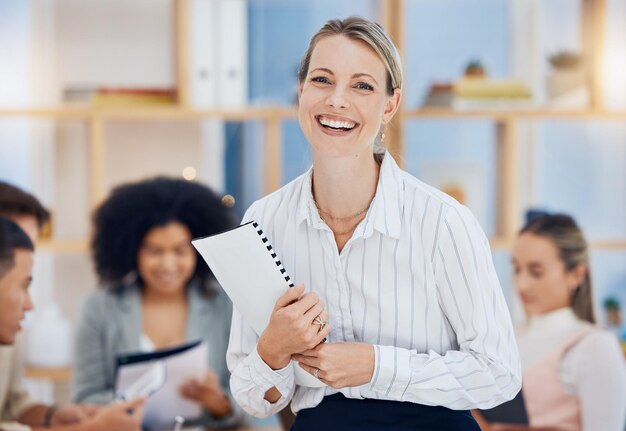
(573, 372)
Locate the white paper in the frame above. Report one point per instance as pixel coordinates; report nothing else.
(165, 404)
(147, 383)
(248, 274)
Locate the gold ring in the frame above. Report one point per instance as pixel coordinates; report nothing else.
(318, 321)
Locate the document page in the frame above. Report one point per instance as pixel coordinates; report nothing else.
(245, 265)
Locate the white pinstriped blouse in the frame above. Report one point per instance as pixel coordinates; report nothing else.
(416, 280)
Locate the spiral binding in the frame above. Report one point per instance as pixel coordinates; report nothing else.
(277, 261)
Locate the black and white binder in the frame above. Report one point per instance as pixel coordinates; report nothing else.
(251, 273)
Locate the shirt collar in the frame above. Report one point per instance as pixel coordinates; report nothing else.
(388, 205)
(385, 212)
(306, 209)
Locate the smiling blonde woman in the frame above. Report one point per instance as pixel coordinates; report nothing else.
(395, 275)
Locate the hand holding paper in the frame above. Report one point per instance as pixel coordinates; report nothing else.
(251, 274)
(291, 329)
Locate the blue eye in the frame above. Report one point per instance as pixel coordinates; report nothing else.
(364, 86)
(320, 79)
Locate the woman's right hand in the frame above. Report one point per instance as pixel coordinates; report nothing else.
(291, 329)
(125, 416)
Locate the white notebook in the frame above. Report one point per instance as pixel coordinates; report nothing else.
(158, 375)
(252, 275)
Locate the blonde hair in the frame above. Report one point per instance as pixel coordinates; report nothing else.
(372, 34)
(359, 28)
(568, 238)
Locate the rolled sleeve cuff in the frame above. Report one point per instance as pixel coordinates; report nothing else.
(392, 371)
(264, 377)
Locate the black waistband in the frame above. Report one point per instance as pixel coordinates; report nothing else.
(336, 412)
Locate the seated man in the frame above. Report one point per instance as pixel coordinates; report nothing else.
(16, 254)
(16, 264)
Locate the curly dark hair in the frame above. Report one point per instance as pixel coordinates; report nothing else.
(123, 220)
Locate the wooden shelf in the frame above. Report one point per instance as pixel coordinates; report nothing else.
(64, 246)
(289, 112)
(608, 245)
(57, 113)
(155, 112)
(503, 243)
(507, 115)
(63, 375)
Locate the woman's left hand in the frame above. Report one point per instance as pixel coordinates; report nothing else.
(209, 393)
(339, 365)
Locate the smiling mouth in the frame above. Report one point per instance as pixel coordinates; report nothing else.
(336, 125)
(167, 278)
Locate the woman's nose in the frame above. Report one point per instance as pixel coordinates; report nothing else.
(28, 303)
(521, 283)
(338, 98)
(168, 261)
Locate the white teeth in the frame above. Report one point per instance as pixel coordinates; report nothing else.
(336, 124)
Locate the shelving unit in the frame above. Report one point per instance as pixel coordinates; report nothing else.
(393, 17)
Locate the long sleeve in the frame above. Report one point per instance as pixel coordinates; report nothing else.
(599, 373)
(89, 379)
(485, 370)
(251, 377)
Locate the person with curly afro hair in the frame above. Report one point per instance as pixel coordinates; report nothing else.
(154, 292)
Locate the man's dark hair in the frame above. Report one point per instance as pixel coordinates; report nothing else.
(125, 218)
(15, 201)
(12, 237)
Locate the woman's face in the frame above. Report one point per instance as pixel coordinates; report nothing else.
(166, 259)
(343, 100)
(541, 279)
